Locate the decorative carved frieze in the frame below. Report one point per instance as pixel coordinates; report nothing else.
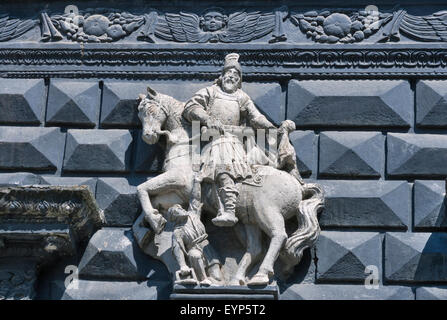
(214, 24)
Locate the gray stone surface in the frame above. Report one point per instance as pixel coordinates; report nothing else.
(431, 103)
(416, 257)
(71, 181)
(267, 97)
(73, 103)
(149, 158)
(98, 150)
(21, 101)
(28, 148)
(416, 155)
(343, 256)
(118, 200)
(346, 292)
(351, 154)
(305, 144)
(120, 106)
(366, 204)
(181, 292)
(341, 103)
(20, 178)
(113, 254)
(431, 293)
(113, 290)
(429, 205)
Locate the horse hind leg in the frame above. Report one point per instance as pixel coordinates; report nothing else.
(272, 223)
(254, 250)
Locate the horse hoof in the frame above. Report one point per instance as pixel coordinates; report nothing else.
(259, 280)
(205, 283)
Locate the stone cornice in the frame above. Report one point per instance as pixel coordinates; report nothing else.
(203, 61)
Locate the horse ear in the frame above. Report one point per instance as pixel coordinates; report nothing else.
(151, 92)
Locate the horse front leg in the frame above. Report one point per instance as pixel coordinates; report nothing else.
(272, 223)
(164, 182)
(254, 250)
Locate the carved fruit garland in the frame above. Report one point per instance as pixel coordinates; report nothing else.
(327, 27)
(97, 27)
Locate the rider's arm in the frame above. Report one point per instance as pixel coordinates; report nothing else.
(195, 108)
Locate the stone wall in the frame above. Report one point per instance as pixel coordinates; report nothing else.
(376, 146)
(376, 142)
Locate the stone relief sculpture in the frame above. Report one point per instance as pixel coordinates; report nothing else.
(90, 26)
(11, 28)
(349, 26)
(421, 28)
(190, 242)
(214, 25)
(344, 27)
(255, 198)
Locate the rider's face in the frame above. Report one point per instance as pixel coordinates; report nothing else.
(230, 80)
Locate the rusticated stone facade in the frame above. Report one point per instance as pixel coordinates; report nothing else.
(370, 117)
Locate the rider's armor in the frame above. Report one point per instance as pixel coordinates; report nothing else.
(226, 153)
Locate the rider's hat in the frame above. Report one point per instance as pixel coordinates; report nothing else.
(231, 61)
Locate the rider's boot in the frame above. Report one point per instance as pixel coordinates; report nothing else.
(228, 195)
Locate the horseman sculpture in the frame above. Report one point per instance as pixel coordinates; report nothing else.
(252, 196)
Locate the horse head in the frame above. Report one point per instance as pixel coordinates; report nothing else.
(153, 115)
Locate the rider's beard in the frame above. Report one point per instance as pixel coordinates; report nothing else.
(228, 85)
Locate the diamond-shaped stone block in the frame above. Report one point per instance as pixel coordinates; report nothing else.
(120, 105)
(268, 99)
(98, 150)
(113, 254)
(118, 200)
(431, 104)
(20, 178)
(29, 148)
(112, 290)
(71, 181)
(416, 257)
(416, 155)
(366, 204)
(351, 154)
(429, 205)
(149, 157)
(431, 293)
(21, 101)
(305, 144)
(345, 103)
(73, 103)
(344, 256)
(345, 292)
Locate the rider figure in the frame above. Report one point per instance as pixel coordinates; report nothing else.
(224, 160)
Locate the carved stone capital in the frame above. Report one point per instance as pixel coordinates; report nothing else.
(37, 225)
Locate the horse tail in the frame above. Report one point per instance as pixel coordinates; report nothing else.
(308, 228)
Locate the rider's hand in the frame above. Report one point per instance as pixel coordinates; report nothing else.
(215, 124)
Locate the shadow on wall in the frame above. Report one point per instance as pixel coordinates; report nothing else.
(431, 265)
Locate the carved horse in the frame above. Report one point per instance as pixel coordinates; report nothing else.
(259, 208)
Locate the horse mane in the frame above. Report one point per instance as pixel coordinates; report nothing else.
(171, 105)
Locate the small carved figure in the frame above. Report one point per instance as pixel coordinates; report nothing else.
(189, 240)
